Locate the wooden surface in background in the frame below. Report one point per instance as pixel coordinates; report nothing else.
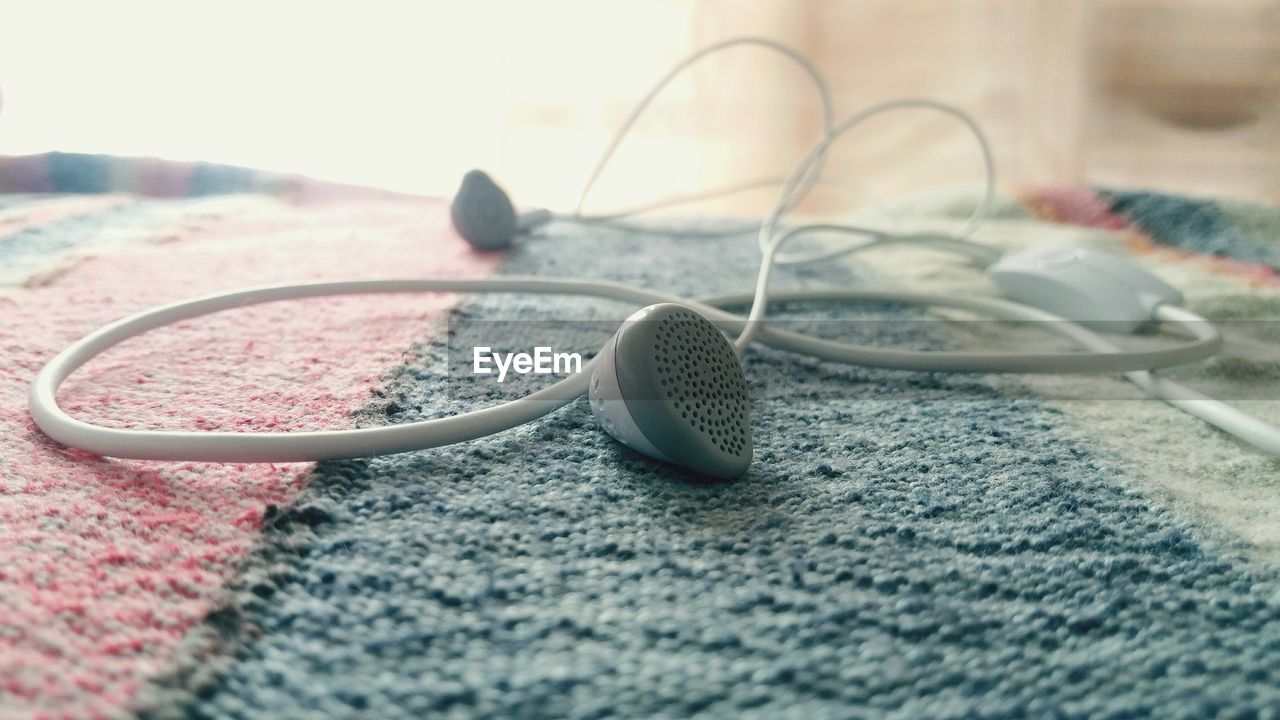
(1182, 95)
(1175, 94)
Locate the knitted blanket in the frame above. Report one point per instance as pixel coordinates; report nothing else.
(905, 545)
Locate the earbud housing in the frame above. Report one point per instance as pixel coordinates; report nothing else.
(482, 213)
(1099, 290)
(669, 385)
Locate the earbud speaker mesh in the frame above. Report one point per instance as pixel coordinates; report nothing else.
(700, 375)
(685, 390)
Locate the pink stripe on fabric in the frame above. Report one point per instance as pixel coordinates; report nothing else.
(161, 178)
(25, 174)
(1075, 205)
(105, 564)
(1082, 206)
(303, 190)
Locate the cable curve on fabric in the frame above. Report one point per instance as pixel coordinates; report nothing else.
(817, 154)
(337, 444)
(1101, 357)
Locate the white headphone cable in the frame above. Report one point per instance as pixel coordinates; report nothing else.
(805, 174)
(787, 196)
(322, 445)
(336, 444)
(802, 183)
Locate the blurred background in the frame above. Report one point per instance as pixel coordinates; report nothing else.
(1182, 95)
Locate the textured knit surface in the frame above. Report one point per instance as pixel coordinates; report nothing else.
(904, 545)
(1227, 273)
(965, 553)
(1169, 455)
(105, 564)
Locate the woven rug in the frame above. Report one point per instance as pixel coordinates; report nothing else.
(904, 545)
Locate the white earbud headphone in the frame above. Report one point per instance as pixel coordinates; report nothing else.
(669, 383)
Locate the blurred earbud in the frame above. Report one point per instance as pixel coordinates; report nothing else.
(669, 385)
(483, 215)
